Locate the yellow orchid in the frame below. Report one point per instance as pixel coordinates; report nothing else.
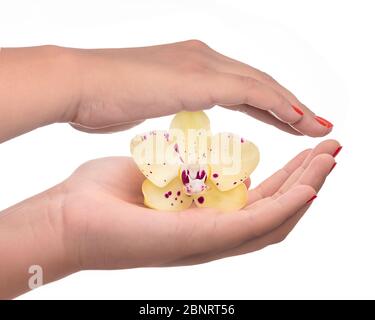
(187, 165)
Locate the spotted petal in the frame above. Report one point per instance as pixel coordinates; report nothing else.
(193, 132)
(169, 198)
(232, 159)
(230, 200)
(155, 155)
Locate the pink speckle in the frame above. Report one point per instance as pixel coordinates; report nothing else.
(215, 175)
(166, 195)
(169, 193)
(184, 177)
(200, 200)
(166, 136)
(176, 148)
(201, 175)
(242, 140)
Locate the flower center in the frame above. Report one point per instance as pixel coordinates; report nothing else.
(193, 178)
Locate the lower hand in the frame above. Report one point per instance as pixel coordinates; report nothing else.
(107, 226)
(96, 220)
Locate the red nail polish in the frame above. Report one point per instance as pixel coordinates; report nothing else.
(312, 199)
(324, 122)
(337, 151)
(298, 110)
(334, 165)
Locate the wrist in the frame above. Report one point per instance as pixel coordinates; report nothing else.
(38, 86)
(32, 235)
(65, 66)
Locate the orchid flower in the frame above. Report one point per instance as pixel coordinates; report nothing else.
(187, 164)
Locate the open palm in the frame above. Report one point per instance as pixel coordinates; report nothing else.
(109, 227)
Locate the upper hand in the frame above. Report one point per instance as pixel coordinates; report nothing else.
(122, 87)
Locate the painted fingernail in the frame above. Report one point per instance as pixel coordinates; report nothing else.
(298, 110)
(312, 199)
(324, 122)
(337, 151)
(334, 165)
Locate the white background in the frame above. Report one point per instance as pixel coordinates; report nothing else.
(321, 50)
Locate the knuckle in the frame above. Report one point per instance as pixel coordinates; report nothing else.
(196, 44)
(193, 61)
(280, 101)
(267, 77)
(248, 82)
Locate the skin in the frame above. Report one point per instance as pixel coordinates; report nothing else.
(98, 221)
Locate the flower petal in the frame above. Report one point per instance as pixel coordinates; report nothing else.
(230, 200)
(193, 132)
(232, 160)
(169, 198)
(186, 120)
(156, 157)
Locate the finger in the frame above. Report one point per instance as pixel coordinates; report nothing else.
(314, 176)
(309, 124)
(263, 116)
(230, 89)
(269, 186)
(273, 237)
(207, 233)
(317, 171)
(326, 147)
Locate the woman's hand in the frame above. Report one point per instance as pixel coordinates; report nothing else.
(96, 220)
(107, 225)
(122, 87)
(105, 90)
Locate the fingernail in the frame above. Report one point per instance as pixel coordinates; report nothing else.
(312, 199)
(324, 122)
(334, 165)
(298, 110)
(337, 151)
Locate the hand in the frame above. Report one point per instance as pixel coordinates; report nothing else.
(109, 90)
(122, 87)
(96, 220)
(106, 225)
